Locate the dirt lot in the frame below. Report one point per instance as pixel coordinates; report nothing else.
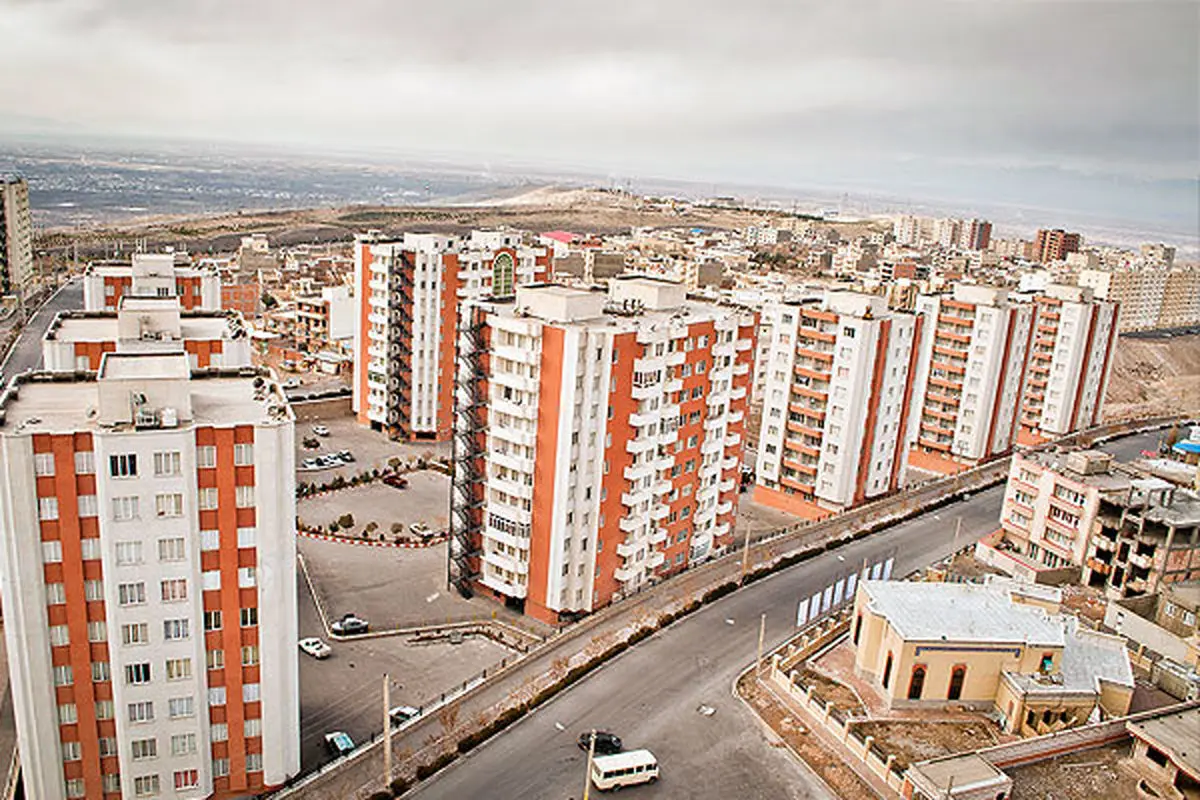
(1154, 376)
(1078, 776)
(829, 690)
(427, 500)
(759, 519)
(911, 742)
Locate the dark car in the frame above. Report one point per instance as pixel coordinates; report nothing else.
(349, 625)
(396, 481)
(606, 743)
(345, 455)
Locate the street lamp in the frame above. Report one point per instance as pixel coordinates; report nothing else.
(587, 779)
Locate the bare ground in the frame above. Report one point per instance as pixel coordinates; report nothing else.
(1154, 377)
(1079, 776)
(911, 742)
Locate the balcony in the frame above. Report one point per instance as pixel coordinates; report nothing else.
(662, 487)
(631, 524)
(675, 358)
(735, 417)
(1104, 544)
(506, 562)
(635, 498)
(635, 472)
(659, 511)
(642, 444)
(640, 419)
(743, 345)
(502, 586)
(722, 350)
(733, 440)
(650, 364)
(655, 559)
(628, 549)
(1145, 561)
(647, 391)
(673, 385)
(737, 393)
(724, 508)
(627, 573)
(727, 485)
(659, 536)
(741, 368)
(729, 463)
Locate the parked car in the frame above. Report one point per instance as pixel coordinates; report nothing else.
(320, 430)
(311, 442)
(311, 463)
(291, 383)
(420, 529)
(345, 455)
(401, 714)
(350, 625)
(339, 743)
(315, 647)
(606, 743)
(396, 481)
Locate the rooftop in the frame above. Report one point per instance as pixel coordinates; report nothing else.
(1088, 658)
(965, 612)
(1174, 734)
(102, 326)
(963, 773)
(1088, 467)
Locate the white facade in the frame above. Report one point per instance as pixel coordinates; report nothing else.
(151, 275)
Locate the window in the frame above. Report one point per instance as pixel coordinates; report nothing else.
(67, 714)
(123, 465)
(183, 744)
(916, 683)
(174, 590)
(131, 594)
(71, 751)
(207, 499)
(43, 463)
(56, 594)
(216, 659)
(125, 508)
(887, 670)
(88, 505)
(167, 463)
(957, 676)
(105, 709)
(251, 692)
(90, 550)
(246, 577)
(186, 779)
(145, 786)
(180, 707)
(176, 629)
(210, 580)
(243, 455)
(1156, 755)
(97, 631)
(76, 787)
(63, 675)
(249, 655)
(245, 497)
(246, 537)
(219, 732)
(168, 505)
(249, 617)
(59, 636)
(206, 456)
(179, 669)
(172, 549)
(52, 552)
(101, 671)
(220, 766)
(210, 540)
(47, 508)
(254, 762)
(216, 695)
(252, 727)
(135, 633)
(212, 620)
(108, 747)
(142, 749)
(85, 463)
(136, 674)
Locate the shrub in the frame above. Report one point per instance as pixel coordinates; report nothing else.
(397, 527)
(426, 770)
(372, 526)
(380, 795)
(338, 483)
(346, 520)
(399, 786)
(333, 527)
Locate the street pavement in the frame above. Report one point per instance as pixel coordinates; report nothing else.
(26, 354)
(650, 695)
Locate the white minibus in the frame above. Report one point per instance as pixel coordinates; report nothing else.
(624, 769)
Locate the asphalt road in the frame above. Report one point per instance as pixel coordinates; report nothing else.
(650, 695)
(26, 354)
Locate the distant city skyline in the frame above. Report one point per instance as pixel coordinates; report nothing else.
(1093, 107)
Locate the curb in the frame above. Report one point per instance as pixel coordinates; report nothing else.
(368, 543)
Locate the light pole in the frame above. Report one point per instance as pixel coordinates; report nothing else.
(587, 779)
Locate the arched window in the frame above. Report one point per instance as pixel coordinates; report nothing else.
(887, 670)
(503, 275)
(917, 682)
(957, 676)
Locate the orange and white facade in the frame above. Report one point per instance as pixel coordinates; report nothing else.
(839, 375)
(76, 341)
(970, 372)
(1070, 360)
(598, 441)
(408, 294)
(150, 275)
(147, 548)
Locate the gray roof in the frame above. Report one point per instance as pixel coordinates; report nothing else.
(961, 612)
(1090, 657)
(1175, 734)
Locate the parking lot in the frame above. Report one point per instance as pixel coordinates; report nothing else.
(345, 691)
(371, 449)
(426, 500)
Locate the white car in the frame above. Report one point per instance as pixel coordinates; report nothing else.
(320, 430)
(315, 647)
(402, 714)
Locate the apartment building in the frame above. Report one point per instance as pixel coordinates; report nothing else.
(407, 295)
(1055, 245)
(969, 374)
(838, 384)
(1146, 537)
(976, 234)
(16, 235)
(78, 340)
(1180, 299)
(1158, 255)
(147, 546)
(151, 275)
(324, 319)
(1070, 360)
(598, 442)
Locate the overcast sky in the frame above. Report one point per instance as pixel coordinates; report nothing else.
(1028, 102)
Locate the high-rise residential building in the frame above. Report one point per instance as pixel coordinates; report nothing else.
(151, 275)
(947, 232)
(1055, 245)
(1141, 293)
(970, 370)
(598, 441)
(837, 389)
(975, 234)
(1181, 298)
(1158, 255)
(16, 235)
(78, 340)
(1070, 359)
(408, 294)
(907, 229)
(147, 545)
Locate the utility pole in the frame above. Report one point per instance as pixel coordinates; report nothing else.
(957, 531)
(387, 732)
(587, 779)
(745, 556)
(762, 633)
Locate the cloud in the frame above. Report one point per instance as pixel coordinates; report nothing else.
(692, 88)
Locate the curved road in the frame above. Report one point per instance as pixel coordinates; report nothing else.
(26, 353)
(650, 695)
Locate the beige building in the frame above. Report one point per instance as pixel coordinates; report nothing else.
(1166, 755)
(16, 235)
(1000, 645)
(1150, 297)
